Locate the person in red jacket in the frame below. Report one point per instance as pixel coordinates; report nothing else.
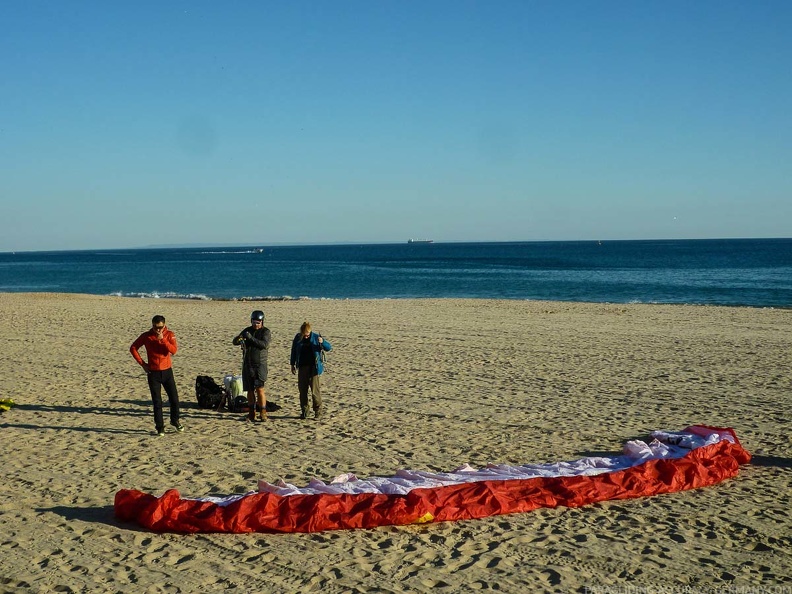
(160, 344)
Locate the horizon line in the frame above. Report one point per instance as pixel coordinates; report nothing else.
(254, 246)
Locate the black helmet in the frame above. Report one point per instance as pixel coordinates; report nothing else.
(257, 316)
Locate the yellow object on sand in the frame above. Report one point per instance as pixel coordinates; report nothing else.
(424, 519)
(6, 404)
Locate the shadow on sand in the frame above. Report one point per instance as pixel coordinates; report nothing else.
(83, 429)
(99, 515)
(86, 410)
(771, 461)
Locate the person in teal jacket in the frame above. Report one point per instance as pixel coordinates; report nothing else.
(306, 361)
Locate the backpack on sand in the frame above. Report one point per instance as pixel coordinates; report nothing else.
(237, 401)
(238, 404)
(233, 385)
(208, 393)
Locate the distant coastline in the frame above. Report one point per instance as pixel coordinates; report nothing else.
(252, 246)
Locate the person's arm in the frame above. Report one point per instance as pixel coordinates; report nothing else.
(261, 343)
(239, 338)
(169, 339)
(323, 342)
(293, 357)
(134, 349)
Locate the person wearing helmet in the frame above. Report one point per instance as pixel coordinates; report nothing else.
(307, 363)
(255, 341)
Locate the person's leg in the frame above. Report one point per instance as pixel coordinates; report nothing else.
(249, 386)
(155, 387)
(317, 397)
(251, 396)
(303, 381)
(169, 383)
(261, 403)
(261, 397)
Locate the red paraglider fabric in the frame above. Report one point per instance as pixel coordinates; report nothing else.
(700, 466)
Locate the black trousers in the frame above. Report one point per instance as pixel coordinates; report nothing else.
(156, 381)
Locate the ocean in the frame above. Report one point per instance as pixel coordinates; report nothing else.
(742, 272)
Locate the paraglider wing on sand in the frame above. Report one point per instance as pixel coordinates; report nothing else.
(698, 456)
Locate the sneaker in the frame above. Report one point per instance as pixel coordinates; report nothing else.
(160, 433)
(319, 413)
(179, 427)
(304, 414)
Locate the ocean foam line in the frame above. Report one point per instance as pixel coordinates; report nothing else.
(232, 252)
(201, 297)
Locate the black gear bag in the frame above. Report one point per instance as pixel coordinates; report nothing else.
(208, 393)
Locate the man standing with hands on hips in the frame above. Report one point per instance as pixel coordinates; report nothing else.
(255, 341)
(306, 361)
(160, 344)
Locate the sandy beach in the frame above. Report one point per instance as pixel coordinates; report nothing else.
(418, 384)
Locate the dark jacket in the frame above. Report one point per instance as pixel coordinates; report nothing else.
(315, 346)
(256, 346)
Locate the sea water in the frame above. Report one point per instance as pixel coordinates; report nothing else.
(745, 272)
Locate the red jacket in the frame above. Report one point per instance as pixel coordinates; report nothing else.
(158, 351)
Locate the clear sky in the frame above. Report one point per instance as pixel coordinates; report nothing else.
(128, 124)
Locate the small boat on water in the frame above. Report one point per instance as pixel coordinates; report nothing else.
(258, 251)
(411, 240)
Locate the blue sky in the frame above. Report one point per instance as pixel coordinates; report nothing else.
(126, 124)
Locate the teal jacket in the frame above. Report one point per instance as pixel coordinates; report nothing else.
(315, 346)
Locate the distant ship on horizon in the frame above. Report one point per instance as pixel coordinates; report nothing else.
(411, 240)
